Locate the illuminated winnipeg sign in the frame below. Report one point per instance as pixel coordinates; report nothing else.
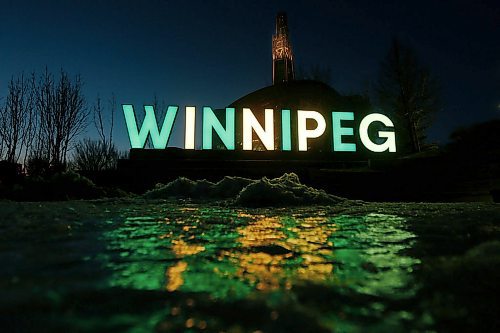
(385, 140)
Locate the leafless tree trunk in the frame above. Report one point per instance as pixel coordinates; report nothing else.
(105, 136)
(17, 119)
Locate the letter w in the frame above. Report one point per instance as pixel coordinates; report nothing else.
(149, 126)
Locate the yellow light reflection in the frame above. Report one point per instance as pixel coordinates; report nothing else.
(265, 249)
(174, 275)
(260, 268)
(271, 253)
(188, 209)
(182, 249)
(263, 232)
(312, 242)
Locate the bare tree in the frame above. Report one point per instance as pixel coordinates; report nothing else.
(408, 90)
(105, 136)
(101, 154)
(17, 119)
(62, 115)
(95, 155)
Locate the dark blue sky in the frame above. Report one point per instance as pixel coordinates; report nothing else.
(212, 52)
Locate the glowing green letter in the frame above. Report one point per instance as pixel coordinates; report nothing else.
(210, 121)
(286, 139)
(339, 131)
(149, 126)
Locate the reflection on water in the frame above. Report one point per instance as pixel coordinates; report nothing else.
(156, 266)
(274, 252)
(299, 256)
(181, 249)
(174, 275)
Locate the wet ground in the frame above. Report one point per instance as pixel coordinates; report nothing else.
(143, 266)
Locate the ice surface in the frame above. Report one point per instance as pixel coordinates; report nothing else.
(136, 265)
(286, 190)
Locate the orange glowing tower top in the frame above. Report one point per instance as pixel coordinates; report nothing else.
(282, 52)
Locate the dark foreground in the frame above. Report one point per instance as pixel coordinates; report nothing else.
(142, 266)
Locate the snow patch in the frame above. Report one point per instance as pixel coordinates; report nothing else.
(183, 187)
(286, 190)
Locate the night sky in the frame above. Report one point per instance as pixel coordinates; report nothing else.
(213, 52)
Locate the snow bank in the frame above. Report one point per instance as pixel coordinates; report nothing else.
(183, 187)
(283, 191)
(286, 190)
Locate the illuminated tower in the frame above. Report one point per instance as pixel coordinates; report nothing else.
(282, 52)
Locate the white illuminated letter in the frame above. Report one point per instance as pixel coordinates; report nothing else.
(304, 133)
(190, 127)
(390, 142)
(251, 123)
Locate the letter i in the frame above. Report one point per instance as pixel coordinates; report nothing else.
(190, 127)
(286, 139)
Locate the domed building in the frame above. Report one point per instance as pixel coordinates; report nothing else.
(288, 93)
(301, 95)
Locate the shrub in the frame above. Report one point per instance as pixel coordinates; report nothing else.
(95, 155)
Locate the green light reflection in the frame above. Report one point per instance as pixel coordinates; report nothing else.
(233, 255)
